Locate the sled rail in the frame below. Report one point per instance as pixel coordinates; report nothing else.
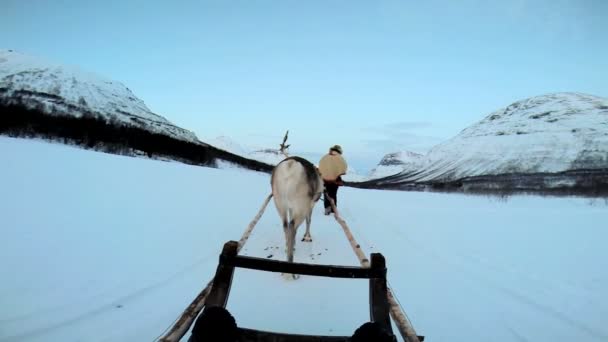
(399, 317)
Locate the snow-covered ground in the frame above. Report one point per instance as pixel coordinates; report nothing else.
(99, 247)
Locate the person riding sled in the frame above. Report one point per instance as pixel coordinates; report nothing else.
(332, 166)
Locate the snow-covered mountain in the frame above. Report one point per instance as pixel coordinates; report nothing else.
(394, 163)
(353, 175)
(46, 100)
(544, 134)
(53, 88)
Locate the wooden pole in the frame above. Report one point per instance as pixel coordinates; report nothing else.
(182, 325)
(403, 324)
(353, 243)
(405, 328)
(255, 220)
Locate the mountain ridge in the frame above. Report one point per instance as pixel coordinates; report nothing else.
(556, 133)
(59, 103)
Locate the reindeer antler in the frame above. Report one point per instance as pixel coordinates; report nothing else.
(283, 146)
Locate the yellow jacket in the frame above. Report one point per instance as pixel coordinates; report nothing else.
(332, 166)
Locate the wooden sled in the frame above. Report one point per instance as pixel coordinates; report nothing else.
(376, 273)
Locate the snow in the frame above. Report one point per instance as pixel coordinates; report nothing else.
(352, 174)
(269, 156)
(548, 133)
(227, 144)
(99, 247)
(73, 91)
(394, 163)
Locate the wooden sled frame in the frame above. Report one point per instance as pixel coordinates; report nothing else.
(376, 273)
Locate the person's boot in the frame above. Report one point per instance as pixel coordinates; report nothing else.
(327, 210)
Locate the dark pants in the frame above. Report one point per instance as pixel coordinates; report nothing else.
(332, 190)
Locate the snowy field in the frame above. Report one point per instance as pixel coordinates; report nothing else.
(98, 247)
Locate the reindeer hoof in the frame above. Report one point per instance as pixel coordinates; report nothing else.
(290, 276)
(307, 239)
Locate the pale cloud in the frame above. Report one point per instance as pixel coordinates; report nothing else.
(408, 125)
(555, 20)
(402, 135)
(396, 129)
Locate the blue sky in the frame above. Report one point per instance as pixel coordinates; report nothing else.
(373, 76)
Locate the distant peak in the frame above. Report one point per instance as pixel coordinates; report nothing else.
(400, 158)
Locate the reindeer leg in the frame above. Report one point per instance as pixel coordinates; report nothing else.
(285, 231)
(291, 242)
(307, 237)
(287, 249)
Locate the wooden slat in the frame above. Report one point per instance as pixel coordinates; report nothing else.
(223, 277)
(250, 335)
(378, 301)
(305, 269)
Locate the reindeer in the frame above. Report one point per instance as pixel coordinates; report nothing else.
(296, 187)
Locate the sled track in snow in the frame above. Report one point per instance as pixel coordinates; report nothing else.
(183, 323)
